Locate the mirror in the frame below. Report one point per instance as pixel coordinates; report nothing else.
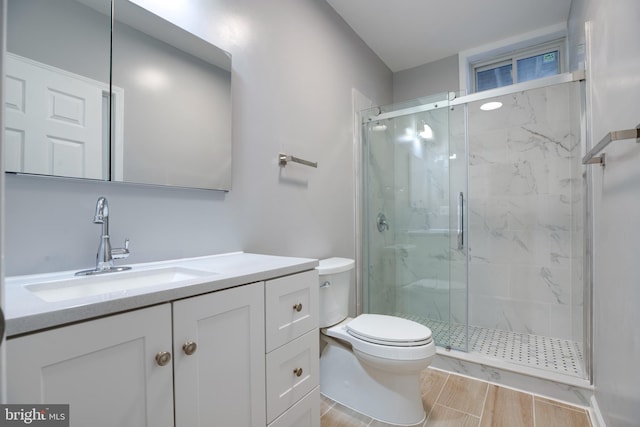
(57, 89)
(177, 104)
(170, 121)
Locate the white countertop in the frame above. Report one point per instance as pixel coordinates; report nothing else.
(25, 312)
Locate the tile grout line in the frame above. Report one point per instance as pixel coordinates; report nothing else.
(435, 402)
(452, 408)
(330, 406)
(542, 400)
(484, 403)
(549, 401)
(565, 406)
(559, 403)
(441, 389)
(460, 411)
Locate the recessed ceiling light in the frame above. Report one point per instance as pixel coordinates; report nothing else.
(491, 106)
(427, 133)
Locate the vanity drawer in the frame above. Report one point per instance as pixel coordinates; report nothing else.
(292, 372)
(291, 307)
(305, 413)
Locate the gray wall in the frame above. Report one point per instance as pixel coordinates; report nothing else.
(63, 34)
(295, 64)
(614, 91)
(428, 79)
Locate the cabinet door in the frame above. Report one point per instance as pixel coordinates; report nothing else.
(105, 369)
(222, 383)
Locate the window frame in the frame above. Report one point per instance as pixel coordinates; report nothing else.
(514, 56)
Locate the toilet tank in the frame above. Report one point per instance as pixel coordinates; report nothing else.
(335, 283)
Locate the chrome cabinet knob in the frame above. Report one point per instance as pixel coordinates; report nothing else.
(163, 358)
(298, 307)
(297, 372)
(189, 348)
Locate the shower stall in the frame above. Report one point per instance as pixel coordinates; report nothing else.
(473, 222)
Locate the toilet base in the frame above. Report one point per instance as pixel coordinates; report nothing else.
(385, 395)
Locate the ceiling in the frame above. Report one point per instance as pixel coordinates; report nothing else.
(408, 33)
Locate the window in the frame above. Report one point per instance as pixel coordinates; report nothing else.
(520, 66)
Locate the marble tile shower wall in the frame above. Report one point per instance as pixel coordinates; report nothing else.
(422, 210)
(407, 180)
(379, 198)
(525, 216)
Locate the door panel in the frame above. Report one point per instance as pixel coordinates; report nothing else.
(53, 121)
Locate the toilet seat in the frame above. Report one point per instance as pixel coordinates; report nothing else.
(398, 350)
(389, 330)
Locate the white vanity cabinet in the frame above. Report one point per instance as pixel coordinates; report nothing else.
(236, 349)
(292, 350)
(109, 369)
(105, 369)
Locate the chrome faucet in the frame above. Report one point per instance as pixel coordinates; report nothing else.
(106, 255)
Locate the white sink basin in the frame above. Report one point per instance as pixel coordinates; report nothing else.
(78, 287)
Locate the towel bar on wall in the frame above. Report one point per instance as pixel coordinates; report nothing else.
(284, 159)
(591, 157)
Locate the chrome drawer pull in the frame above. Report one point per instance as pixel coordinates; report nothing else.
(298, 307)
(297, 372)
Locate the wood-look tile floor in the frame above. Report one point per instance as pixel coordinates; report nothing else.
(452, 400)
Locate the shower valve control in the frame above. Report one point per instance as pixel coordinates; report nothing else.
(381, 222)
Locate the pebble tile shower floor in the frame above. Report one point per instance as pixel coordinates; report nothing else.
(551, 354)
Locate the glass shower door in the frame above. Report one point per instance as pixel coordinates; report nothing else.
(414, 187)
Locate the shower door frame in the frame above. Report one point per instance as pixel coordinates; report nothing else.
(576, 76)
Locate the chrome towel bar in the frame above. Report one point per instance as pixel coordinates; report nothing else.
(591, 157)
(284, 159)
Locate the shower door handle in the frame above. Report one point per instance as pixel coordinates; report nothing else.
(460, 220)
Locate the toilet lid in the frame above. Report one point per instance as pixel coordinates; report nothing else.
(389, 330)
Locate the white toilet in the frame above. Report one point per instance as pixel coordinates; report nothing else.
(370, 363)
